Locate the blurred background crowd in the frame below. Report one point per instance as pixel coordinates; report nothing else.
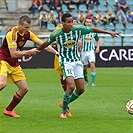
(112, 15)
(106, 14)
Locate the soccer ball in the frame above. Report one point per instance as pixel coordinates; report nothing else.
(129, 107)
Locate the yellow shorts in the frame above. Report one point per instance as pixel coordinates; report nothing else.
(13, 74)
(56, 65)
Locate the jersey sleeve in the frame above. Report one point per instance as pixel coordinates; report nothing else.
(96, 37)
(11, 43)
(57, 27)
(84, 29)
(87, 29)
(51, 38)
(34, 38)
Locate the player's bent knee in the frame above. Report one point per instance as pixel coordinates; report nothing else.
(82, 90)
(25, 90)
(71, 86)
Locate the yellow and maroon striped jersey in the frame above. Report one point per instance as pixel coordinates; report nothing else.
(14, 39)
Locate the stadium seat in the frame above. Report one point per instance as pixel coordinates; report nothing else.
(46, 7)
(83, 8)
(74, 13)
(128, 31)
(103, 2)
(93, 25)
(104, 13)
(108, 40)
(129, 2)
(94, 12)
(119, 26)
(98, 25)
(55, 13)
(3, 32)
(94, 9)
(111, 2)
(102, 8)
(108, 44)
(129, 26)
(128, 39)
(120, 30)
(73, 7)
(64, 8)
(41, 12)
(117, 39)
(112, 6)
(117, 44)
(127, 44)
(110, 27)
(50, 26)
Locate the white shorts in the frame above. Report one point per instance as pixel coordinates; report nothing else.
(87, 57)
(72, 69)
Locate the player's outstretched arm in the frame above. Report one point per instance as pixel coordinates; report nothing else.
(48, 48)
(98, 30)
(42, 46)
(18, 54)
(51, 50)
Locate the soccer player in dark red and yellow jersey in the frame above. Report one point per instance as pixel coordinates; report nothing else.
(10, 51)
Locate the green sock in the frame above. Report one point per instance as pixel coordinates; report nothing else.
(74, 96)
(86, 78)
(66, 100)
(93, 76)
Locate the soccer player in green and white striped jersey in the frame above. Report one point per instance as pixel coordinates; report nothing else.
(67, 43)
(88, 52)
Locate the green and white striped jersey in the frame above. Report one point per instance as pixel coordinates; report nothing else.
(88, 41)
(67, 43)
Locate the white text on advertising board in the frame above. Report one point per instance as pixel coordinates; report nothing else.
(119, 55)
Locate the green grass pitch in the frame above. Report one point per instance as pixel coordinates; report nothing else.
(99, 110)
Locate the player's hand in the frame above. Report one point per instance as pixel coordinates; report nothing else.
(33, 51)
(115, 34)
(57, 54)
(97, 50)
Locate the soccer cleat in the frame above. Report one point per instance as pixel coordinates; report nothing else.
(63, 115)
(86, 84)
(93, 85)
(68, 113)
(11, 113)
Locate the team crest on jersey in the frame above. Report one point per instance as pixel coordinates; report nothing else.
(21, 43)
(88, 39)
(69, 43)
